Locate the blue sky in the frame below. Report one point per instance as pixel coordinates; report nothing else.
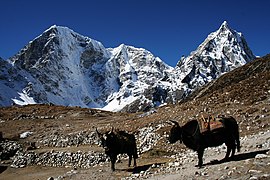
(167, 28)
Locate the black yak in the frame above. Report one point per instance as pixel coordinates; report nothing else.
(118, 142)
(191, 136)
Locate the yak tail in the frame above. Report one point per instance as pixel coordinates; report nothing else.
(135, 156)
(235, 131)
(135, 151)
(237, 138)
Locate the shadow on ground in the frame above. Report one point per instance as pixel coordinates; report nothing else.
(138, 169)
(239, 157)
(2, 168)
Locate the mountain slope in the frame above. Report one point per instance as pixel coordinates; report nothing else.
(252, 78)
(13, 83)
(137, 71)
(59, 61)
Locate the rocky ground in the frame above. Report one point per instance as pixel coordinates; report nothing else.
(68, 148)
(56, 142)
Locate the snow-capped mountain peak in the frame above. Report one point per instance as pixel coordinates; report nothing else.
(63, 67)
(224, 26)
(221, 52)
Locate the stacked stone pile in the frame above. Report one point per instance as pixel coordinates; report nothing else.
(8, 149)
(59, 159)
(73, 139)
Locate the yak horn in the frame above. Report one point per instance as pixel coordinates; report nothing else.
(99, 134)
(111, 130)
(203, 118)
(174, 122)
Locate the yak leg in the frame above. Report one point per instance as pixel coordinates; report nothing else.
(129, 159)
(229, 148)
(233, 147)
(200, 157)
(233, 152)
(135, 155)
(113, 160)
(134, 158)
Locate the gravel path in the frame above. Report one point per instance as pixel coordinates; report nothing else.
(253, 162)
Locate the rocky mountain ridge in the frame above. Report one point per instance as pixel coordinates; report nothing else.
(63, 67)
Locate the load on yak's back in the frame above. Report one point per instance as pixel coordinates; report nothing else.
(118, 142)
(207, 132)
(210, 123)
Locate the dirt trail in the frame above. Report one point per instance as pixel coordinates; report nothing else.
(252, 162)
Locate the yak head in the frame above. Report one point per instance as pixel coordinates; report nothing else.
(175, 132)
(107, 139)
